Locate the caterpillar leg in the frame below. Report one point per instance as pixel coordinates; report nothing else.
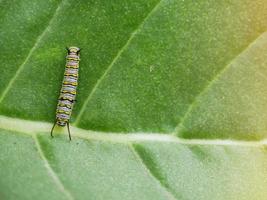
(68, 125)
(51, 133)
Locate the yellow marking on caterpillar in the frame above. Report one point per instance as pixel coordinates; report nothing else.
(74, 75)
(68, 92)
(64, 105)
(63, 112)
(72, 67)
(75, 59)
(70, 83)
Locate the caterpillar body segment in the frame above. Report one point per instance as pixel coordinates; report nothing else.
(68, 90)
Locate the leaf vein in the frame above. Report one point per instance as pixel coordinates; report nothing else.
(180, 124)
(169, 194)
(50, 171)
(116, 58)
(21, 67)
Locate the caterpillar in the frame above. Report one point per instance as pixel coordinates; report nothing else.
(68, 90)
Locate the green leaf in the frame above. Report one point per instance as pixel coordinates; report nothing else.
(171, 100)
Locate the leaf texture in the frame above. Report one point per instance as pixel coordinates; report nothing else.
(171, 100)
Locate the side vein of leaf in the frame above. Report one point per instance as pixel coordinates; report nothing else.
(116, 58)
(191, 107)
(37, 42)
(146, 168)
(50, 171)
(31, 128)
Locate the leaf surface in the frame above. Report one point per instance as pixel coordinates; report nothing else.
(171, 100)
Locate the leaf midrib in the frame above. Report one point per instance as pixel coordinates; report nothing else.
(32, 128)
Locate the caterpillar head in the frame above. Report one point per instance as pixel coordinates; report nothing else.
(73, 50)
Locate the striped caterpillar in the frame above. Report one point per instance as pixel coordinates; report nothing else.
(68, 90)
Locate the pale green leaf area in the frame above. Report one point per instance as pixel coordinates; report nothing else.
(171, 100)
